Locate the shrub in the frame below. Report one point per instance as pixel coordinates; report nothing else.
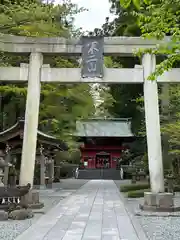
(137, 193)
(140, 193)
(176, 188)
(134, 187)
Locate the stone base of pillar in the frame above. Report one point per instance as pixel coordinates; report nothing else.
(159, 202)
(42, 187)
(32, 200)
(3, 216)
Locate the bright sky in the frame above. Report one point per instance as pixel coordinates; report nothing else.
(95, 17)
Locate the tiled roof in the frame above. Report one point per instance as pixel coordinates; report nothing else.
(104, 128)
(14, 131)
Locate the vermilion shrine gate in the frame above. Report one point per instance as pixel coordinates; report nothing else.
(36, 72)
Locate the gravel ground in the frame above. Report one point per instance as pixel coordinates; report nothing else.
(157, 226)
(161, 228)
(10, 229)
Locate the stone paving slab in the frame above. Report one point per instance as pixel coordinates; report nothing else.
(94, 212)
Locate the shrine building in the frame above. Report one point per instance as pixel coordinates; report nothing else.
(102, 141)
(11, 141)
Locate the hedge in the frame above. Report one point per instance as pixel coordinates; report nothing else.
(140, 193)
(142, 186)
(134, 187)
(137, 193)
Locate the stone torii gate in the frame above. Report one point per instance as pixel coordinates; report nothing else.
(36, 72)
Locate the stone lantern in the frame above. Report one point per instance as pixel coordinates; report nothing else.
(2, 166)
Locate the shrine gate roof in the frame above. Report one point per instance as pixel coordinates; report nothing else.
(17, 130)
(104, 128)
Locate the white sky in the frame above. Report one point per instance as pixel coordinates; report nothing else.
(95, 17)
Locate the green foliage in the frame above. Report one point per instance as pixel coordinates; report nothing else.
(134, 187)
(35, 18)
(145, 161)
(71, 157)
(160, 19)
(124, 97)
(124, 103)
(61, 105)
(127, 3)
(171, 127)
(137, 3)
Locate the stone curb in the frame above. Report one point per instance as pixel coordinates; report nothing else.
(138, 228)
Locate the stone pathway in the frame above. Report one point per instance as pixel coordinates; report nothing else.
(94, 212)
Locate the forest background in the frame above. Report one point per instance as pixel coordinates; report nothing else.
(62, 105)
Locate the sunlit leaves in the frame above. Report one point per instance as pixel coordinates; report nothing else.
(159, 20)
(125, 3)
(137, 3)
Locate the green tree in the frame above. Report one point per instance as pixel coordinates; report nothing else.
(124, 96)
(161, 20)
(61, 105)
(136, 3)
(172, 127)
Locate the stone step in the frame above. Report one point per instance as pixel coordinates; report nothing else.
(99, 174)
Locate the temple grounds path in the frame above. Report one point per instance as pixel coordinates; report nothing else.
(95, 211)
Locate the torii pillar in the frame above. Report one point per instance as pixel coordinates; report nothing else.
(30, 129)
(157, 199)
(31, 119)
